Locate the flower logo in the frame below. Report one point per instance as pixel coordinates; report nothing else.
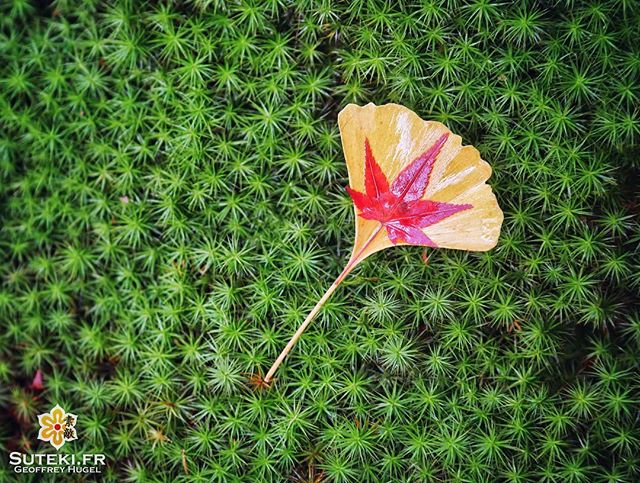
(57, 427)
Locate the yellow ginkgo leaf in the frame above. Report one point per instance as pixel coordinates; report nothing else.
(412, 183)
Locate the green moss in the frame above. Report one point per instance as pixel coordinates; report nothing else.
(172, 204)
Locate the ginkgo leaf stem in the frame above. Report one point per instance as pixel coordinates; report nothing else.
(312, 315)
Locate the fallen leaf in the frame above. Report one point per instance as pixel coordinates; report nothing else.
(399, 207)
(412, 183)
(38, 381)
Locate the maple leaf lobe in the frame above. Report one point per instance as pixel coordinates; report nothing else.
(374, 179)
(412, 181)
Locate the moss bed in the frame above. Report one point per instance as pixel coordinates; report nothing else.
(172, 204)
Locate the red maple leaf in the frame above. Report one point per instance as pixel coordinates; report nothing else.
(400, 207)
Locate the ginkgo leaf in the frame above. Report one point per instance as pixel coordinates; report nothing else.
(412, 182)
(456, 175)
